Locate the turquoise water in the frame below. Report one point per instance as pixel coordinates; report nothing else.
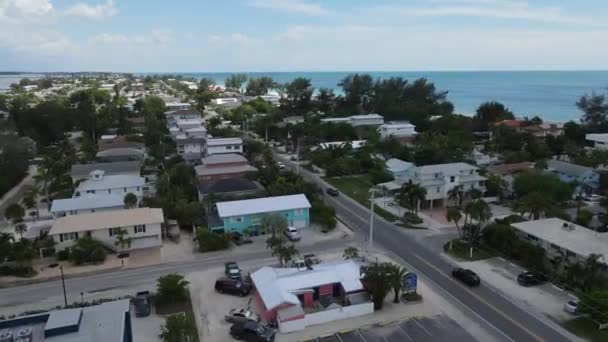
(549, 94)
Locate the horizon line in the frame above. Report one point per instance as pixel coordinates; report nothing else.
(305, 71)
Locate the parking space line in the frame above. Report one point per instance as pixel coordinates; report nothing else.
(423, 328)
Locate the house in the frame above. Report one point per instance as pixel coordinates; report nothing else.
(599, 140)
(83, 171)
(480, 158)
(190, 148)
(587, 179)
(174, 115)
(398, 168)
(100, 184)
(138, 123)
(397, 129)
(509, 123)
(224, 145)
(86, 204)
(223, 166)
(142, 227)
(177, 106)
(108, 322)
(298, 298)
(545, 129)
(248, 214)
(562, 239)
(439, 179)
(226, 101)
(230, 189)
(355, 144)
(30, 87)
(121, 154)
(508, 172)
(293, 120)
(108, 142)
(358, 120)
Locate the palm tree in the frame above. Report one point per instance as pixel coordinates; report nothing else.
(45, 177)
(454, 215)
(534, 203)
(410, 195)
(130, 200)
(20, 228)
(287, 253)
(396, 277)
(29, 200)
(121, 239)
(456, 195)
(479, 211)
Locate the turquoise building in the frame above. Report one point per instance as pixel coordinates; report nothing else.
(248, 214)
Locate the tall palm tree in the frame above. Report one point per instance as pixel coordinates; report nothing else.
(456, 195)
(479, 211)
(396, 276)
(454, 215)
(45, 177)
(535, 204)
(410, 195)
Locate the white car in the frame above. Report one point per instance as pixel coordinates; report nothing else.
(292, 234)
(280, 165)
(571, 307)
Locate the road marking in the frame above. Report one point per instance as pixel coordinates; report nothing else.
(480, 299)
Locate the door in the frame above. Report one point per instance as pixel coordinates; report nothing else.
(299, 224)
(146, 242)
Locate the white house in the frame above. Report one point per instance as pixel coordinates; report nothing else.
(142, 226)
(83, 171)
(224, 145)
(397, 129)
(191, 148)
(398, 168)
(439, 179)
(100, 184)
(358, 120)
(225, 100)
(86, 204)
(177, 106)
(30, 87)
(600, 140)
(563, 239)
(355, 144)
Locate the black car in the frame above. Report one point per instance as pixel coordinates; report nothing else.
(252, 332)
(233, 286)
(142, 304)
(332, 192)
(531, 279)
(466, 276)
(232, 270)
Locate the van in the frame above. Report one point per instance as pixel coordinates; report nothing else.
(292, 234)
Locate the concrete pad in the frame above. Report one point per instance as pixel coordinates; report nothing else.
(146, 329)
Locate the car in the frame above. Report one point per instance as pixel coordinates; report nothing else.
(298, 263)
(571, 307)
(293, 158)
(311, 259)
(292, 233)
(252, 332)
(240, 239)
(332, 192)
(280, 165)
(466, 276)
(593, 198)
(531, 279)
(242, 315)
(233, 286)
(232, 270)
(142, 304)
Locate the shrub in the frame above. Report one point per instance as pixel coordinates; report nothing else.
(172, 288)
(87, 250)
(208, 242)
(17, 271)
(324, 215)
(63, 255)
(412, 218)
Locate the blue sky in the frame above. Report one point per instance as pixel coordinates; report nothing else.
(302, 35)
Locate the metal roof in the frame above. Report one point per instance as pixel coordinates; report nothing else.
(87, 202)
(572, 170)
(107, 219)
(447, 169)
(111, 182)
(83, 170)
(262, 205)
(223, 141)
(224, 158)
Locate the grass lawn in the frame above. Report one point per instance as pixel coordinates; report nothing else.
(585, 328)
(460, 250)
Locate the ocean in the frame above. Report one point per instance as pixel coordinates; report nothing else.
(551, 95)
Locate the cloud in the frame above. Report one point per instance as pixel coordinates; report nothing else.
(155, 37)
(45, 43)
(21, 11)
(291, 6)
(231, 39)
(99, 11)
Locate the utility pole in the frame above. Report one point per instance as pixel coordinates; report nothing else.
(371, 221)
(298, 157)
(65, 297)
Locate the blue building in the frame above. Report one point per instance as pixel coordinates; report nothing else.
(587, 179)
(248, 214)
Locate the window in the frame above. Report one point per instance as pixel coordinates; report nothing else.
(140, 228)
(137, 188)
(299, 211)
(90, 191)
(125, 189)
(438, 189)
(452, 179)
(437, 175)
(472, 171)
(237, 219)
(68, 237)
(229, 147)
(109, 191)
(532, 237)
(114, 231)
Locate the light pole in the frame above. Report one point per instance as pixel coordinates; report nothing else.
(65, 297)
(371, 221)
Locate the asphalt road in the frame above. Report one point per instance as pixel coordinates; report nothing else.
(507, 319)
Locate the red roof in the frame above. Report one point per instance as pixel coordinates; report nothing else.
(509, 123)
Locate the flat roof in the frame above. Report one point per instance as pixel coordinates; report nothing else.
(224, 158)
(599, 137)
(79, 170)
(111, 182)
(223, 141)
(107, 219)
(396, 165)
(87, 202)
(262, 205)
(448, 169)
(204, 170)
(577, 239)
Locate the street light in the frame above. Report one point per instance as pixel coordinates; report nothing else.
(65, 297)
(371, 220)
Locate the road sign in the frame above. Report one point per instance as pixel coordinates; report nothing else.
(409, 282)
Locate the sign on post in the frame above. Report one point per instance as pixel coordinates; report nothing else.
(409, 282)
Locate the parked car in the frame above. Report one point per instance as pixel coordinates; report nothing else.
(232, 270)
(232, 286)
(332, 192)
(252, 332)
(531, 279)
(280, 165)
(298, 263)
(142, 304)
(292, 233)
(311, 259)
(240, 239)
(242, 315)
(571, 307)
(466, 276)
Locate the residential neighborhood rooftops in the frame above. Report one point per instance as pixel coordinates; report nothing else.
(87, 202)
(118, 142)
(397, 165)
(206, 170)
(577, 239)
(223, 141)
(111, 182)
(507, 169)
(262, 205)
(107, 219)
(448, 169)
(355, 144)
(224, 159)
(121, 152)
(229, 185)
(281, 285)
(83, 170)
(573, 170)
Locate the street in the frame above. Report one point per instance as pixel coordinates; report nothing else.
(500, 314)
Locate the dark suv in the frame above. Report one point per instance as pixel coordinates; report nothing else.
(531, 279)
(252, 332)
(232, 286)
(466, 276)
(332, 192)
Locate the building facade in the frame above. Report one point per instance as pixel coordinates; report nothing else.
(397, 130)
(224, 145)
(100, 184)
(86, 204)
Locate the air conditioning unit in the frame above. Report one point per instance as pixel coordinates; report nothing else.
(6, 335)
(24, 334)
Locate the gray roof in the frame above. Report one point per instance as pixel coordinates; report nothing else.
(223, 141)
(228, 185)
(397, 165)
(204, 170)
(572, 170)
(111, 182)
(83, 170)
(224, 158)
(121, 151)
(262, 205)
(87, 202)
(447, 169)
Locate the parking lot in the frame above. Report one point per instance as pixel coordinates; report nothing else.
(434, 328)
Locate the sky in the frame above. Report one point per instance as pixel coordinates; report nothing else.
(302, 35)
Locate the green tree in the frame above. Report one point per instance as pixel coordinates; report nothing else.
(350, 253)
(376, 279)
(491, 112)
(259, 86)
(595, 304)
(172, 288)
(456, 195)
(14, 213)
(122, 238)
(235, 82)
(299, 94)
(130, 200)
(179, 328)
(396, 276)
(30, 199)
(20, 228)
(584, 217)
(209, 242)
(536, 204)
(454, 215)
(410, 195)
(274, 224)
(595, 111)
(87, 250)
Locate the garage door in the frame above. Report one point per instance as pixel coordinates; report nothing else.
(146, 242)
(299, 224)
